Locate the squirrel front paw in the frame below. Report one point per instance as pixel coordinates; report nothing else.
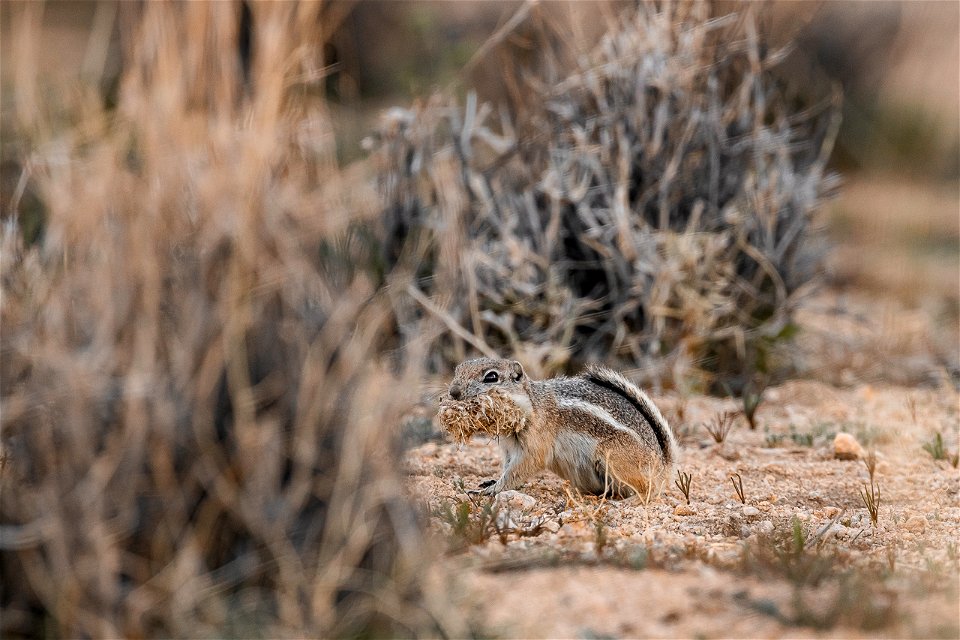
(485, 488)
(488, 487)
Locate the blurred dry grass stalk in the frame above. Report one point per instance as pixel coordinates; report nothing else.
(195, 410)
(650, 202)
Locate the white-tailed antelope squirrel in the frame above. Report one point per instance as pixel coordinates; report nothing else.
(597, 430)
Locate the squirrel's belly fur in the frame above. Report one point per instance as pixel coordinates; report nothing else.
(573, 458)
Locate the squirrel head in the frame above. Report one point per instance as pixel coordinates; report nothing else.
(481, 375)
(486, 395)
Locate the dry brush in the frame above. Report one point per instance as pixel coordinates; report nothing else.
(196, 417)
(650, 202)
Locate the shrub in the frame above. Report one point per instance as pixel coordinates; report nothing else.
(195, 412)
(649, 202)
(935, 447)
(471, 522)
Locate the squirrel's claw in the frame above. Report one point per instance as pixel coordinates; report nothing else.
(485, 488)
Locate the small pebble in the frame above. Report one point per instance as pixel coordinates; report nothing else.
(683, 510)
(917, 524)
(765, 527)
(516, 500)
(551, 525)
(846, 447)
(750, 511)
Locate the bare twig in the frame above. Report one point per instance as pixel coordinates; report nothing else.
(451, 323)
(683, 483)
(738, 487)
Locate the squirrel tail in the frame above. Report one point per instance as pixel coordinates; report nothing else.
(617, 383)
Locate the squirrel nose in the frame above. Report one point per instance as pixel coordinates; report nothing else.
(455, 391)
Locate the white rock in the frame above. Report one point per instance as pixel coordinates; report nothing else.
(515, 500)
(749, 511)
(504, 521)
(765, 527)
(551, 525)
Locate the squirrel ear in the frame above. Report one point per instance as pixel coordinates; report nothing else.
(517, 370)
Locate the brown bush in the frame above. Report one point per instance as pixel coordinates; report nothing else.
(195, 414)
(650, 203)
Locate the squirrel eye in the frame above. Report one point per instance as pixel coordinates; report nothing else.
(491, 376)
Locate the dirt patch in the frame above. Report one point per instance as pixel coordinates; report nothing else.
(563, 565)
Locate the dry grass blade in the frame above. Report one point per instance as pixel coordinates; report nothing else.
(720, 425)
(683, 483)
(871, 500)
(870, 462)
(738, 487)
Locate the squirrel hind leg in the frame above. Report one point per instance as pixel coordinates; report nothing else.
(627, 470)
(611, 485)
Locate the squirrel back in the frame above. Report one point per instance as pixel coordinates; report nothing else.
(625, 402)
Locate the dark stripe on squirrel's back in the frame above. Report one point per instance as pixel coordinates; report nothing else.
(655, 425)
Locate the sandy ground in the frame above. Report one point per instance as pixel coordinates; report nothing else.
(574, 566)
